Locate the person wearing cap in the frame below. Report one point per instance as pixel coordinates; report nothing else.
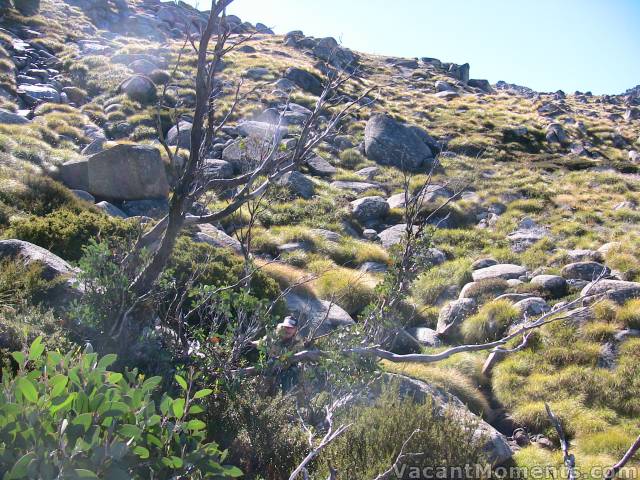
(286, 337)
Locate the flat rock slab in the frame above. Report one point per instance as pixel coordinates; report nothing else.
(317, 314)
(505, 271)
(216, 238)
(357, 187)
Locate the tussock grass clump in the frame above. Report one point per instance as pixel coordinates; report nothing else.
(629, 314)
(491, 322)
(430, 285)
(350, 289)
(487, 289)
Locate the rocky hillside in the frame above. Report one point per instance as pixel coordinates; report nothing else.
(544, 189)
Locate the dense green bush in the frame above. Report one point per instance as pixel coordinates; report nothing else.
(373, 442)
(40, 196)
(71, 417)
(65, 232)
(259, 431)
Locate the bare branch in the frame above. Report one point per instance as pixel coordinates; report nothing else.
(569, 459)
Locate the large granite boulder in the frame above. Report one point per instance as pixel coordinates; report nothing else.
(320, 315)
(389, 142)
(123, 172)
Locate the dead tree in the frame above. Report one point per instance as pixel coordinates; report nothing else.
(193, 183)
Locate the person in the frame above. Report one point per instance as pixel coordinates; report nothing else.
(286, 338)
(286, 341)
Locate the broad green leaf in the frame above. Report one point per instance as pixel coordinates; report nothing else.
(82, 473)
(63, 404)
(203, 393)
(106, 361)
(58, 383)
(154, 420)
(151, 384)
(19, 357)
(36, 349)
(142, 452)
(114, 409)
(85, 420)
(165, 404)
(19, 469)
(114, 377)
(27, 389)
(129, 431)
(177, 407)
(195, 409)
(182, 382)
(196, 424)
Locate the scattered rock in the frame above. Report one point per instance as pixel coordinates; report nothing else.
(110, 209)
(180, 135)
(554, 284)
(357, 187)
(216, 238)
(321, 315)
(453, 314)
(305, 80)
(10, 118)
(298, 183)
(555, 133)
(369, 208)
(82, 195)
(373, 267)
(319, 166)
(389, 142)
(483, 263)
(616, 290)
(427, 337)
(392, 235)
(588, 271)
(139, 88)
(505, 271)
(532, 306)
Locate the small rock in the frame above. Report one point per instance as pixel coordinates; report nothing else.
(483, 263)
(111, 210)
(532, 306)
(453, 314)
(369, 208)
(554, 284)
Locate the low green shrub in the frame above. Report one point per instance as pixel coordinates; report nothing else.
(487, 289)
(39, 195)
(629, 314)
(377, 433)
(259, 431)
(71, 417)
(65, 232)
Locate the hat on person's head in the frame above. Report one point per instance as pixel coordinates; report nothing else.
(290, 321)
